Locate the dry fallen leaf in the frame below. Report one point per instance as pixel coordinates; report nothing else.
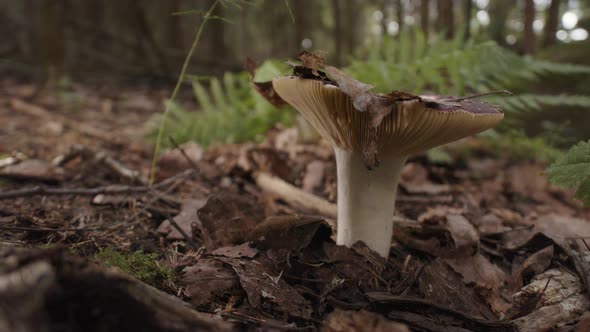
(185, 220)
(33, 169)
(358, 321)
(207, 281)
(441, 232)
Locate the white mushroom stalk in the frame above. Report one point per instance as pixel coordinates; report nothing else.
(366, 200)
(406, 125)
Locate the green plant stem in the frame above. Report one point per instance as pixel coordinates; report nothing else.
(206, 17)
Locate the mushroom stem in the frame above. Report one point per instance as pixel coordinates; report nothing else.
(366, 200)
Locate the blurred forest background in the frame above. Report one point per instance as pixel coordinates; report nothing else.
(538, 49)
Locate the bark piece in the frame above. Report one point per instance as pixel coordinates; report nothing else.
(291, 233)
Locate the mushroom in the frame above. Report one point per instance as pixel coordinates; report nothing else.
(373, 135)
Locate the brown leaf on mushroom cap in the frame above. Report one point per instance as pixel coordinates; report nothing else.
(265, 89)
(312, 60)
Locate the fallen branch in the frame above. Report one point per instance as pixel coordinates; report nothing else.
(302, 199)
(101, 157)
(110, 190)
(44, 191)
(294, 196)
(34, 110)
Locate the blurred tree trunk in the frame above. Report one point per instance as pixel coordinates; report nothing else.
(445, 19)
(352, 27)
(399, 10)
(299, 7)
(30, 6)
(424, 16)
(95, 16)
(499, 12)
(336, 12)
(51, 39)
(175, 32)
(383, 9)
(468, 11)
(551, 23)
(528, 38)
(216, 32)
(147, 32)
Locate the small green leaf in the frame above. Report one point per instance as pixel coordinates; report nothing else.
(572, 170)
(583, 192)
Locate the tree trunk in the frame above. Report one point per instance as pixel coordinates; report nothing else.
(424, 16)
(384, 20)
(528, 38)
(52, 40)
(352, 27)
(337, 32)
(174, 26)
(399, 9)
(216, 30)
(551, 23)
(299, 7)
(499, 11)
(468, 9)
(445, 18)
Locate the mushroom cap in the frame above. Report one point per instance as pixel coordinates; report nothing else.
(414, 125)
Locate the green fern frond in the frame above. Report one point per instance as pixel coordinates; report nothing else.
(458, 68)
(229, 111)
(533, 102)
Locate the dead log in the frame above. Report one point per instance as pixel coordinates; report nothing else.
(48, 290)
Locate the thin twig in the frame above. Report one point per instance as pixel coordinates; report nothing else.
(477, 95)
(39, 190)
(188, 239)
(184, 154)
(44, 229)
(177, 88)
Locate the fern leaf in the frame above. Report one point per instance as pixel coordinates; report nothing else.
(202, 97)
(217, 92)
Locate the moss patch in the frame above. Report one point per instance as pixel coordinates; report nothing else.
(143, 266)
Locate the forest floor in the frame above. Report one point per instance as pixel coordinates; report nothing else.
(241, 235)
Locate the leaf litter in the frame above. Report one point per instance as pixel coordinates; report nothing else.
(490, 258)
